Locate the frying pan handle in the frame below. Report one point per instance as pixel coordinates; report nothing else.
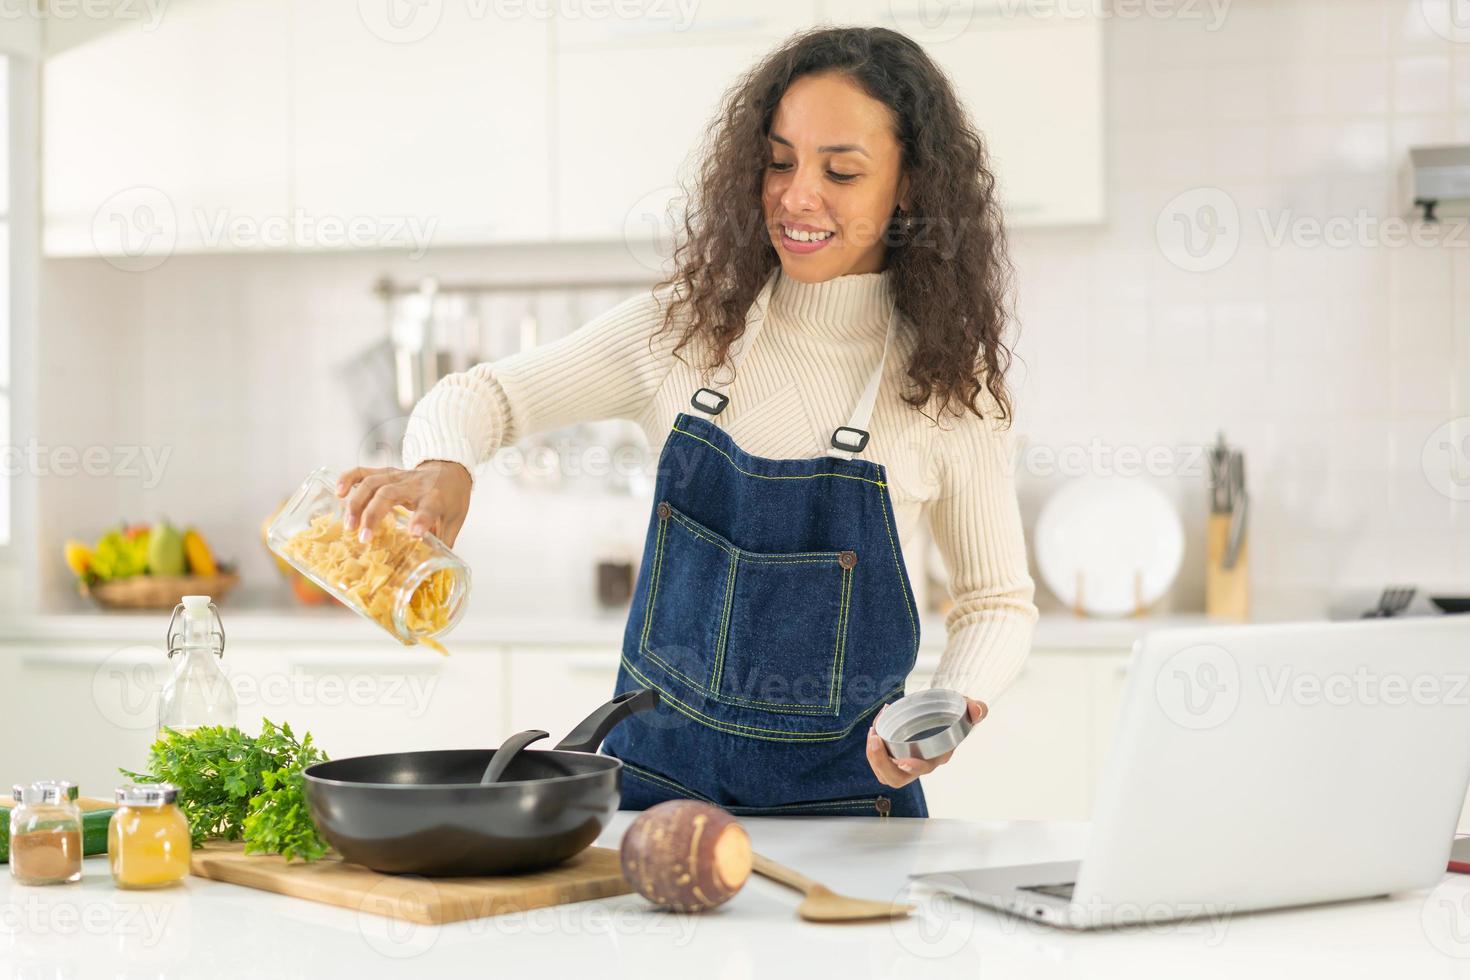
(587, 736)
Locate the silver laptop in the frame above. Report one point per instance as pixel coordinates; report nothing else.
(1264, 766)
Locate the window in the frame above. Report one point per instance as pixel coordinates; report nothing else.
(5, 231)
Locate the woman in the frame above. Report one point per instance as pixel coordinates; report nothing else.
(843, 265)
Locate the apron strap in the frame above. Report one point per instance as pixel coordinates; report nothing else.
(850, 439)
(847, 440)
(711, 401)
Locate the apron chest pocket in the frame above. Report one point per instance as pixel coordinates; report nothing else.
(752, 630)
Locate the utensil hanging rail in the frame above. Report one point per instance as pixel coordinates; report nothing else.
(387, 288)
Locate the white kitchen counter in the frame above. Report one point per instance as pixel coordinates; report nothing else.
(210, 929)
(579, 628)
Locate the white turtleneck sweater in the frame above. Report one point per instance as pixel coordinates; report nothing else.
(799, 381)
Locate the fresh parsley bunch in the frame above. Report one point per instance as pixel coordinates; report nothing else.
(238, 787)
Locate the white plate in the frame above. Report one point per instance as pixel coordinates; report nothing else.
(1105, 535)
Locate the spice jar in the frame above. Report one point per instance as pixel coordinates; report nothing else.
(148, 837)
(45, 834)
(415, 588)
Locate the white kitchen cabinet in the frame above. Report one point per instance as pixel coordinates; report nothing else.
(554, 687)
(1028, 759)
(383, 698)
(634, 101)
(159, 140)
(1107, 674)
(1034, 85)
(449, 130)
(89, 708)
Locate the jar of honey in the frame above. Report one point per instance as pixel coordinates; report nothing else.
(46, 834)
(148, 837)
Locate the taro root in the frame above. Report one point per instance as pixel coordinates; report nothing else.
(686, 856)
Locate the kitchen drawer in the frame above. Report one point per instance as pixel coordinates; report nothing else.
(553, 688)
(386, 698)
(1028, 760)
(97, 705)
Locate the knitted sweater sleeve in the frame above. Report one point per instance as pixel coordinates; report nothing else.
(976, 523)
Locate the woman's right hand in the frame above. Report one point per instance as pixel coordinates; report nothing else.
(437, 492)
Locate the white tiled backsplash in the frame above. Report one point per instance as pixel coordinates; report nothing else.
(1332, 364)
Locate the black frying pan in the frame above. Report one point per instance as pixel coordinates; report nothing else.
(428, 813)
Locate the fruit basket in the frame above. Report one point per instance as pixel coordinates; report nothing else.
(158, 591)
(142, 566)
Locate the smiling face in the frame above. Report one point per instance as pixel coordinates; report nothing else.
(834, 178)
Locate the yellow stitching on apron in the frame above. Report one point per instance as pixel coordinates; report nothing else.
(840, 646)
(705, 534)
(737, 555)
(831, 707)
(640, 773)
(762, 476)
(658, 556)
(714, 681)
(666, 783)
(749, 731)
(883, 509)
(658, 570)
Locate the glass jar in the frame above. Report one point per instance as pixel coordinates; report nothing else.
(148, 837)
(45, 834)
(415, 588)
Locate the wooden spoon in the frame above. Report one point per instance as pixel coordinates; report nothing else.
(822, 904)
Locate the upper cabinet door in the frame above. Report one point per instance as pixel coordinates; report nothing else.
(169, 135)
(635, 97)
(1033, 83)
(423, 118)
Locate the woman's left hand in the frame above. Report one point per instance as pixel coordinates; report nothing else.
(900, 772)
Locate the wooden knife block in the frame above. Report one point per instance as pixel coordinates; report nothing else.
(1227, 590)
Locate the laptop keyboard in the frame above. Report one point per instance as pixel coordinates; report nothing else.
(1063, 890)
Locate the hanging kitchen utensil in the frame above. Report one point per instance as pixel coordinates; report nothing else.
(428, 813)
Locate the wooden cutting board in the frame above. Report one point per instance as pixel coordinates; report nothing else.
(595, 873)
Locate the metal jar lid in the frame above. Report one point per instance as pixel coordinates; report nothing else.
(47, 791)
(925, 724)
(146, 794)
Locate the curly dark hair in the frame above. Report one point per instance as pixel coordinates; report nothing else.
(954, 288)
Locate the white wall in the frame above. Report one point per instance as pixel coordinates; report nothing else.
(1331, 365)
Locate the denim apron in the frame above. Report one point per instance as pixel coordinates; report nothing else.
(774, 616)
